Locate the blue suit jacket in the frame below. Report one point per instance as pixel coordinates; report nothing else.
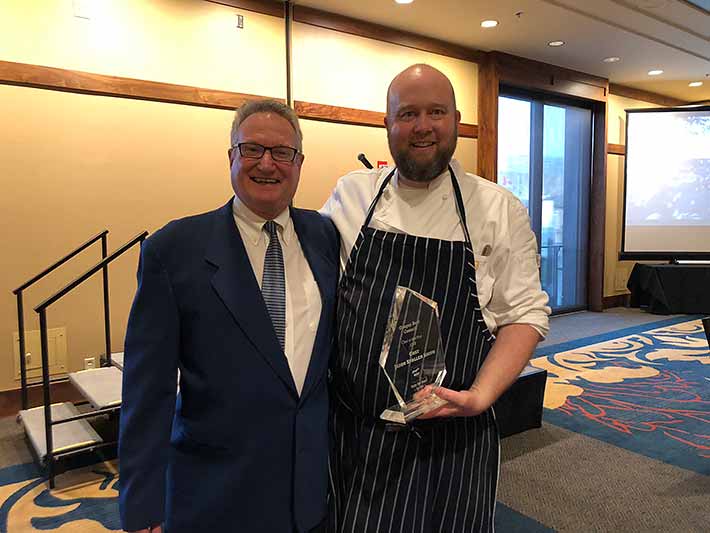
(240, 450)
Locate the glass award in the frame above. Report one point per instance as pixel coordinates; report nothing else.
(412, 356)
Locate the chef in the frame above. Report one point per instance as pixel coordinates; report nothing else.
(466, 244)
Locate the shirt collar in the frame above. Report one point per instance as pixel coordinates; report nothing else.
(251, 225)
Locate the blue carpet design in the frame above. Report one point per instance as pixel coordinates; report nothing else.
(27, 505)
(646, 390)
(88, 504)
(508, 520)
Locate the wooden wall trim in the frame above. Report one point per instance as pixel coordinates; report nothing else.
(615, 149)
(58, 79)
(645, 96)
(265, 7)
(618, 300)
(343, 115)
(360, 117)
(527, 73)
(102, 85)
(361, 28)
(468, 131)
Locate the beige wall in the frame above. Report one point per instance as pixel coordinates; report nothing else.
(616, 273)
(72, 165)
(344, 70)
(187, 42)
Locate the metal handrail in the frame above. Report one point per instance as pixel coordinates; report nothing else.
(20, 306)
(93, 270)
(63, 260)
(554, 268)
(41, 309)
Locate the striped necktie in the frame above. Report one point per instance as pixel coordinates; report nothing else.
(273, 283)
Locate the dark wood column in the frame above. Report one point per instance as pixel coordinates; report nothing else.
(597, 209)
(488, 87)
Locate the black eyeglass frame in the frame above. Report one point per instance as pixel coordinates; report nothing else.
(270, 149)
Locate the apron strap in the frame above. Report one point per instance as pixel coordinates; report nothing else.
(457, 194)
(460, 207)
(371, 210)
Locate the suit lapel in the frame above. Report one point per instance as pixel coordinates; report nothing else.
(319, 265)
(237, 287)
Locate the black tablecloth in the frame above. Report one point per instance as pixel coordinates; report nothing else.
(669, 289)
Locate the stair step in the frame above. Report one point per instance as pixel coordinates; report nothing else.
(65, 437)
(100, 386)
(117, 360)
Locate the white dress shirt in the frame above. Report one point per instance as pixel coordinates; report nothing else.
(303, 302)
(507, 275)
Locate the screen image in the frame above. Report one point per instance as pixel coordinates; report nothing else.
(667, 182)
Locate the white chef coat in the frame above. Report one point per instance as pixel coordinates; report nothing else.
(507, 263)
(302, 294)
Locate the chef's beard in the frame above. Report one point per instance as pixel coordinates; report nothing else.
(411, 169)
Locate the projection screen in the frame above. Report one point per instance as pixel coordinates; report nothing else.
(667, 184)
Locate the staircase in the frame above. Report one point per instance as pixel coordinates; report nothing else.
(60, 430)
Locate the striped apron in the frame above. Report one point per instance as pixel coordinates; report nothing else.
(437, 475)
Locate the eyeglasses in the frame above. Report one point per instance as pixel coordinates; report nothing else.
(283, 154)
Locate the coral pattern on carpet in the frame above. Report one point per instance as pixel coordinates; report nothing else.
(648, 392)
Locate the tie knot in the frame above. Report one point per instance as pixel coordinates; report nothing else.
(270, 227)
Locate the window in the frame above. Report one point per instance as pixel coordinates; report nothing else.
(544, 158)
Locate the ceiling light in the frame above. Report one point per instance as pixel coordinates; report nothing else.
(404, 1)
(655, 72)
(489, 23)
(695, 84)
(556, 43)
(612, 59)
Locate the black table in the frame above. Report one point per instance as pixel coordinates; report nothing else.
(520, 407)
(670, 289)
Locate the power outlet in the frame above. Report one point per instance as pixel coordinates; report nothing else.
(89, 363)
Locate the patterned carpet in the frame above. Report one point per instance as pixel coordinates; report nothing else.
(85, 500)
(647, 392)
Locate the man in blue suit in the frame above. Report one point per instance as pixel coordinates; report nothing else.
(241, 301)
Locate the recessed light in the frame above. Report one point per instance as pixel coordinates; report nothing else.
(404, 1)
(556, 43)
(657, 72)
(695, 84)
(489, 23)
(612, 59)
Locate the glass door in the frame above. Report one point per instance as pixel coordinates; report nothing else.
(544, 158)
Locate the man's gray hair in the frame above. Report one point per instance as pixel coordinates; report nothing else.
(266, 106)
